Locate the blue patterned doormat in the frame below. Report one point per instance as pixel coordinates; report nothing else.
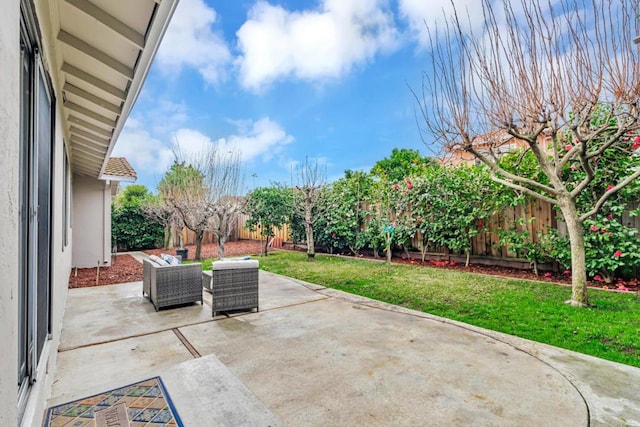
(148, 404)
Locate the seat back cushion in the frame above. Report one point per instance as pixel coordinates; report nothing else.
(170, 259)
(158, 260)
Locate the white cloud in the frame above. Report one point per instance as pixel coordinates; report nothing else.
(421, 14)
(253, 140)
(260, 139)
(144, 152)
(165, 116)
(312, 45)
(190, 41)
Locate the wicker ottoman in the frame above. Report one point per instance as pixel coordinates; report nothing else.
(206, 280)
(234, 285)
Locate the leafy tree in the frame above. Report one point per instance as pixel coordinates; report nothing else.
(131, 229)
(373, 235)
(415, 201)
(448, 205)
(268, 209)
(402, 163)
(568, 98)
(610, 247)
(345, 213)
(518, 238)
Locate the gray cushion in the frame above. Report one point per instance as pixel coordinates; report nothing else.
(234, 264)
(170, 259)
(158, 260)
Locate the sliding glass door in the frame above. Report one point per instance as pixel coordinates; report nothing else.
(34, 257)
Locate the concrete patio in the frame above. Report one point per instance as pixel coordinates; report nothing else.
(316, 356)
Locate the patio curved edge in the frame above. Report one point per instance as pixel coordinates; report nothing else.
(608, 390)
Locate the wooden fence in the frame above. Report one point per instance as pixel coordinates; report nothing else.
(537, 216)
(189, 237)
(484, 244)
(244, 233)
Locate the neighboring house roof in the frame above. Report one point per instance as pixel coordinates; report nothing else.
(498, 141)
(119, 169)
(101, 55)
(495, 138)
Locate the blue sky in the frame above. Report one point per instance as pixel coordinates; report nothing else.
(282, 80)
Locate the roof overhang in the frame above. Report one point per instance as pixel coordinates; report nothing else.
(119, 169)
(103, 51)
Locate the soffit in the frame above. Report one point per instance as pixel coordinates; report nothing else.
(103, 51)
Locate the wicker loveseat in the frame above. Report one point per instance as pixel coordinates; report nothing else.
(169, 285)
(233, 285)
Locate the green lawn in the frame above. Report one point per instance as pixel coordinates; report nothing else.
(532, 310)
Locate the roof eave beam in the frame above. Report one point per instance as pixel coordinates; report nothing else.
(96, 54)
(90, 126)
(123, 30)
(89, 136)
(87, 145)
(94, 81)
(102, 103)
(91, 114)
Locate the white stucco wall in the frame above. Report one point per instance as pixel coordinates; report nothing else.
(9, 229)
(91, 222)
(9, 163)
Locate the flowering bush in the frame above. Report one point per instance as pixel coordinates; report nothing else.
(519, 240)
(344, 216)
(610, 246)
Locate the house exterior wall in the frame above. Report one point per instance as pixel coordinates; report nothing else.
(9, 229)
(9, 207)
(92, 215)
(25, 240)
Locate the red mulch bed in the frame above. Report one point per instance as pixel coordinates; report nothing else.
(124, 268)
(210, 250)
(562, 278)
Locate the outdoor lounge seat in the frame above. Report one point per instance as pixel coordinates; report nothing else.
(170, 285)
(233, 285)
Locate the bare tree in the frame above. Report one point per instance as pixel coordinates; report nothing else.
(308, 198)
(183, 189)
(224, 182)
(157, 210)
(561, 76)
(204, 192)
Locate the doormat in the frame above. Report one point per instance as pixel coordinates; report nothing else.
(147, 403)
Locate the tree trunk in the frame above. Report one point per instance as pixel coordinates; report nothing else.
(221, 241)
(311, 250)
(308, 228)
(578, 261)
(199, 236)
(266, 246)
(468, 258)
(167, 236)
